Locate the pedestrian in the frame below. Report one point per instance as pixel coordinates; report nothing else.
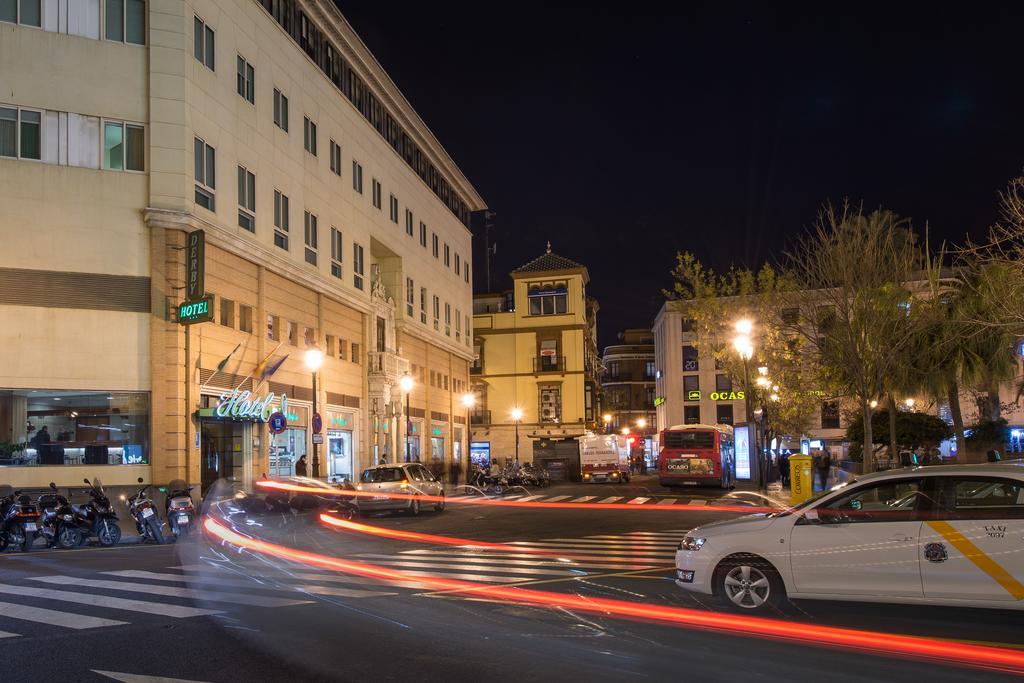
(823, 464)
(300, 466)
(784, 468)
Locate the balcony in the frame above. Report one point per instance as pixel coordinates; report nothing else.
(390, 366)
(476, 368)
(549, 364)
(480, 417)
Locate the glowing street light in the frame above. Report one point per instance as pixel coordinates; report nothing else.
(641, 423)
(517, 415)
(625, 431)
(910, 403)
(745, 326)
(763, 382)
(607, 417)
(873, 404)
(743, 347)
(314, 359)
(468, 400)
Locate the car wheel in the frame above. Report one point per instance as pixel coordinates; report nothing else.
(414, 507)
(439, 506)
(748, 583)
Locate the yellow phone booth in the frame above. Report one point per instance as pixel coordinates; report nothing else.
(801, 479)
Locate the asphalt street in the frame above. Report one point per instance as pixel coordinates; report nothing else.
(201, 612)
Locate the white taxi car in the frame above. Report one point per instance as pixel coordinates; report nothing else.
(943, 535)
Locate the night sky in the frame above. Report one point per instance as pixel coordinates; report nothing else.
(624, 138)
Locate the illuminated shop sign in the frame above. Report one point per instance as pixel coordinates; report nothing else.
(694, 395)
(244, 405)
(199, 311)
(658, 400)
(728, 395)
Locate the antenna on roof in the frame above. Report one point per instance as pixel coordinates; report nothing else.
(549, 246)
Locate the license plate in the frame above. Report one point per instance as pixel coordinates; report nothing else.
(379, 498)
(147, 512)
(685, 575)
(30, 526)
(689, 483)
(182, 519)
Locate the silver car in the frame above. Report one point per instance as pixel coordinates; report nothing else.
(405, 478)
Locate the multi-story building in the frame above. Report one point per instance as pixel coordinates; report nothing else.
(535, 367)
(627, 385)
(127, 126)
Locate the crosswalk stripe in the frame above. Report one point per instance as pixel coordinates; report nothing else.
(638, 501)
(171, 591)
(469, 566)
(519, 497)
(698, 501)
(108, 601)
(582, 499)
(498, 561)
(259, 573)
(466, 577)
(54, 618)
(244, 583)
(8, 634)
(610, 499)
(529, 498)
(667, 501)
(556, 499)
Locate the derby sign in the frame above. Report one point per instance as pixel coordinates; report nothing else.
(244, 405)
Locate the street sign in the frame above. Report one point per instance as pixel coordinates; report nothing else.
(318, 425)
(197, 311)
(195, 264)
(278, 423)
(318, 438)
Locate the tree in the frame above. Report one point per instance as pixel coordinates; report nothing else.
(854, 307)
(715, 301)
(913, 430)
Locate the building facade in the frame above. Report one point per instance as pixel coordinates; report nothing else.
(535, 359)
(332, 219)
(628, 387)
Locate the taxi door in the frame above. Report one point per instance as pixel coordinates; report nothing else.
(862, 542)
(973, 549)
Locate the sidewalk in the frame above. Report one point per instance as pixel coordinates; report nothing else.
(836, 476)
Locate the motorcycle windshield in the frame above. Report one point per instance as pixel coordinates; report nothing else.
(176, 486)
(98, 486)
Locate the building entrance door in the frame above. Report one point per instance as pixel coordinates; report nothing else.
(220, 449)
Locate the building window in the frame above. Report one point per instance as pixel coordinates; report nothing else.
(548, 300)
(447, 319)
(335, 158)
(393, 205)
(336, 252)
(280, 110)
(310, 236)
(203, 42)
(790, 316)
(689, 325)
(649, 369)
(691, 415)
(613, 369)
(124, 20)
(465, 272)
(356, 358)
(309, 135)
(124, 146)
(649, 398)
(423, 305)
(550, 405)
(458, 325)
(724, 413)
(357, 177)
(273, 327)
(691, 383)
(20, 133)
(206, 175)
(375, 193)
(245, 318)
(468, 331)
(423, 234)
(436, 245)
(437, 312)
(447, 256)
(227, 313)
(410, 297)
(357, 265)
(329, 345)
(830, 415)
(723, 383)
(309, 336)
(690, 363)
(292, 333)
(408, 223)
(458, 265)
(281, 220)
(342, 349)
(26, 12)
(246, 82)
(246, 199)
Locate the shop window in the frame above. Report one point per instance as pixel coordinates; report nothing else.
(280, 110)
(76, 428)
(245, 318)
(691, 415)
(227, 313)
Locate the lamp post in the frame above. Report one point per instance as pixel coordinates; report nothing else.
(406, 384)
(607, 417)
(745, 349)
(517, 416)
(468, 401)
(314, 359)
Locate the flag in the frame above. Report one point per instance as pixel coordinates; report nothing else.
(272, 368)
(223, 363)
(258, 370)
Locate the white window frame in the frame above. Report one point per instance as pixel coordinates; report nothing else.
(282, 220)
(423, 305)
(423, 234)
(309, 135)
(280, 110)
(245, 81)
(357, 176)
(393, 208)
(357, 265)
(335, 158)
(246, 199)
(202, 186)
(209, 39)
(310, 237)
(375, 192)
(410, 297)
(337, 244)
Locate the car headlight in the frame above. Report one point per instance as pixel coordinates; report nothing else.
(692, 543)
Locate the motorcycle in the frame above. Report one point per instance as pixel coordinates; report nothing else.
(179, 508)
(147, 520)
(535, 476)
(57, 520)
(97, 517)
(345, 507)
(19, 517)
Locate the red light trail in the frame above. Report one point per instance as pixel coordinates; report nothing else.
(961, 654)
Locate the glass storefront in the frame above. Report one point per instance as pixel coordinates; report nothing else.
(480, 453)
(413, 442)
(54, 427)
(339, 453)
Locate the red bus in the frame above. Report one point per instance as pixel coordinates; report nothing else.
(697, 455)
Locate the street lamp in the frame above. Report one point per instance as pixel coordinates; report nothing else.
(745, 326)
(314, 359)
(873, 404)
(607, 417)
(406, 384)
(625, 431)
(745, 349)
(517, 416)
(641, 423)
(910, 403)
(468, 401)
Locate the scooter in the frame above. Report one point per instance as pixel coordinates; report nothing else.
(57, 520)
(179, 508)
(147, 520)
(97, 517)
(19, 517)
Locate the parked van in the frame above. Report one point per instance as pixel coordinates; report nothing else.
(604, 457)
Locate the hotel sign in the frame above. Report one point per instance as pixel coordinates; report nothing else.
(199, 311)
(195, 264)
(249, 407)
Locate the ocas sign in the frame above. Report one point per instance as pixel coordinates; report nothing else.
(728, 395)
